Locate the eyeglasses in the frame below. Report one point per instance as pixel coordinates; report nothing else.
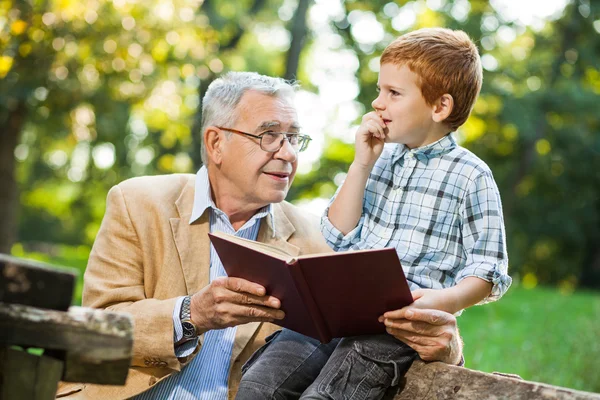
(273, 141)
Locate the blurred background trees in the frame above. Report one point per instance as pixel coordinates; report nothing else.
(93, 92)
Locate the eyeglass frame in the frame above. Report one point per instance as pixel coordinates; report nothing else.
(285, 137)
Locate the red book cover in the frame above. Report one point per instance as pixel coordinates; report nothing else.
(324, 296)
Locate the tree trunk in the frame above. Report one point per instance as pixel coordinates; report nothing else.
(590, 275)
(8, 186)
(590, 271)
(298, 31)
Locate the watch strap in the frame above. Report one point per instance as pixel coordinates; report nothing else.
(186, 313)
(190, 331)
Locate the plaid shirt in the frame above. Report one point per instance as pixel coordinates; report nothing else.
(439, 207)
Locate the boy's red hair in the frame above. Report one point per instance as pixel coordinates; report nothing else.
(446, 61)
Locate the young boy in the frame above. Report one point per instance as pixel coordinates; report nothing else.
(434, 201)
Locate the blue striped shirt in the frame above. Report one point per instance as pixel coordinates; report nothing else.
(206, 376)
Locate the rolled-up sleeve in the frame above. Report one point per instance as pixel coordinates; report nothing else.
(483, 235)
(336, 239)
(333, 236)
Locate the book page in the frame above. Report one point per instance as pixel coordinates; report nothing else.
(332, 254)
(258, 246)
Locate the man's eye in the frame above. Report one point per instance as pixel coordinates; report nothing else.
(270, 135)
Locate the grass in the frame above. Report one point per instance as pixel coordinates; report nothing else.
(539, 334)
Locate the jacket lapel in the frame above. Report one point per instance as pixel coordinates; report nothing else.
(283, 230)
(192, 242)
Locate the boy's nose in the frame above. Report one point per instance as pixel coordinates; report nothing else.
(377, 104)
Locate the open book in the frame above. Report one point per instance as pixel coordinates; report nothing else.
(324, 296)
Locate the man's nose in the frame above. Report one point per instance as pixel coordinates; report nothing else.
(287, 152)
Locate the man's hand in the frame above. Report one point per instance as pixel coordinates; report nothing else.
(229, 302)
(433, 334)
(369, 140)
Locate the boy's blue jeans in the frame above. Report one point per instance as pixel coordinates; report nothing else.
(292, 366)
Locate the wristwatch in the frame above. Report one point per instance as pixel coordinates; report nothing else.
(189, 329)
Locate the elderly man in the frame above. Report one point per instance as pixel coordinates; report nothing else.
(194, 326)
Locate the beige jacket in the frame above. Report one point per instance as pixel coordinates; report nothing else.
(147, 254)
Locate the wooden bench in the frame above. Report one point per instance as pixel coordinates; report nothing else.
(439, 381)
(73, 344)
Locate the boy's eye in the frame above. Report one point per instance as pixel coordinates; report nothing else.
(378, 89)
(394, 93)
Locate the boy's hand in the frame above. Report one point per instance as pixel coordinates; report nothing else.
(369, 140)
(436, 299)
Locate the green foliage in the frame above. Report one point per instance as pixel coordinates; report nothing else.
(541, 334)
(543, 147)
(534, 124)
(111, 90)
(319, 182)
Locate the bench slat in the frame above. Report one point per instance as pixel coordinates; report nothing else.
(96, 345)
(438, 381)
(35, 284)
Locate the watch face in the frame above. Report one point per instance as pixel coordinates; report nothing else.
(189, 330)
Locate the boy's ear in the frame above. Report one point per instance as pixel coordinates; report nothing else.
(213, 142)
(442, 108)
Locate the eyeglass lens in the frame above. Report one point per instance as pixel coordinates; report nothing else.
(274, 141)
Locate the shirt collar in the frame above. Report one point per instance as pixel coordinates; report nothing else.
(203, 200)
(426, 152)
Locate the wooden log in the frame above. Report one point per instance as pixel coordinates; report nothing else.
(26, 376)
(35, 284)
(96, 345)
(438, 381)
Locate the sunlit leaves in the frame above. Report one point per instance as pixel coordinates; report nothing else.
(6, 63)
(543, 147)
(18, 27)
(473, 129)
(592, 78)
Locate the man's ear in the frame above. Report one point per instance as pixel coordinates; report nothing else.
(213, 142)
(442, 108)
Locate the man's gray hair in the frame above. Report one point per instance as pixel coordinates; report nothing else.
(219, 105)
